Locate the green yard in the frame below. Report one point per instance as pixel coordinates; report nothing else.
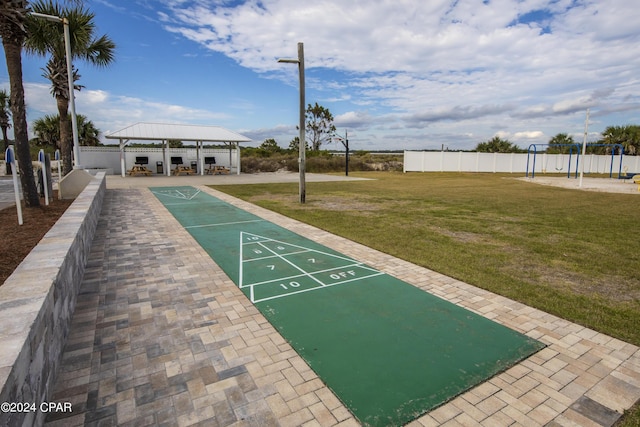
(571, 253)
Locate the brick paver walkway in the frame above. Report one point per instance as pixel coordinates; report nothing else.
(161, 336)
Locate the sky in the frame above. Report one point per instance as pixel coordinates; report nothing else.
(395, 74)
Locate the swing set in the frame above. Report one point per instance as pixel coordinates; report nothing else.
(534, 148)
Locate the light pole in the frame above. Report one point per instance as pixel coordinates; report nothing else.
(302, 144)
(584, 148)
(72, 103)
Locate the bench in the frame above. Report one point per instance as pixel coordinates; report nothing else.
(636, 180)
(177, 162)
(214, 170)
(140, 167)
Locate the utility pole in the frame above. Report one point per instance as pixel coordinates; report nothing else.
(302, 143)
(584, 148)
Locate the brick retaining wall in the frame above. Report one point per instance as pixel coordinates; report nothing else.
(37, 303)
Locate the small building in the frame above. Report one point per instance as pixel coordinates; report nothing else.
(165, 156)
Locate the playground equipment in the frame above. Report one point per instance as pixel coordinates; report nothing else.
(535, 152)
(534, 148)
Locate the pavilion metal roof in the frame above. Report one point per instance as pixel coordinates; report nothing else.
(180, 132)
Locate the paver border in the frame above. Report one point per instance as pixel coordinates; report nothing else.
(582, 377)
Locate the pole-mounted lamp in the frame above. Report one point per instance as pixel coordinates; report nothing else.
(302, 144)
(72, 103)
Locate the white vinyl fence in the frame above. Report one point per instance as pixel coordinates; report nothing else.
(461, 161)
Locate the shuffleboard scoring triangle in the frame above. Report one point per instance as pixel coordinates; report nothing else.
(258, 251)
(182, 193)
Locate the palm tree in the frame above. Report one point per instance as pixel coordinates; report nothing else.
(47, 131)
(5, 112)
(628, 136)
(497, 145)
(12, 30)
(47, 38)
(88, 133)
(561, 143)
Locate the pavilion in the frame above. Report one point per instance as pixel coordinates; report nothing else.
(165, 132)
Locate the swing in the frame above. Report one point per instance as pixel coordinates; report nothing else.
(560, 157)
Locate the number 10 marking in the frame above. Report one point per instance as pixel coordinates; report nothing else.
(291, 284)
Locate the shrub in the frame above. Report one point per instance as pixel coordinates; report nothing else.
(318, 162)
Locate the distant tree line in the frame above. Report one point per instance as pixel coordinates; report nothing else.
(627, 136)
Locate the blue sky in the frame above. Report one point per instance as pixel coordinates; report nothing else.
(395, 74)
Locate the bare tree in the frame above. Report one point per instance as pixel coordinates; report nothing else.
(319, 125)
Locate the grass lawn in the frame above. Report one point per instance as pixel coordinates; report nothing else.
(571, 253)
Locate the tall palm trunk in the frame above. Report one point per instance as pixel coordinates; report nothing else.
(13, 54)
(66, 143)
(5, 138)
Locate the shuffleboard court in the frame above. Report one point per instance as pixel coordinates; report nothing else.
(390, 351)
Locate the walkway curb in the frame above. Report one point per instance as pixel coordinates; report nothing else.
(37, 303)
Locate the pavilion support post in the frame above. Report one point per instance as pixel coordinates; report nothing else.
(123, 166)
(167, 163)
(238, 157)
(200, 159)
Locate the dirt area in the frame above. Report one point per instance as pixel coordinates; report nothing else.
(18, 240)
(607, 185)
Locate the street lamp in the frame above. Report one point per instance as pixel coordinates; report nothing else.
(302, 144)
(72, 103)
(345, 142)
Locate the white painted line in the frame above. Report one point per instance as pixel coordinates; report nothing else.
(311, 289)
(285, 278)
(292, 264)
(273, 256)
(224, 223)
(297, 246)
(260, 241)
(279, 279)
(240, 266)
(177, 194)
(177, 204)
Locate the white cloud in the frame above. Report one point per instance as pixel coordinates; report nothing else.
(112, 112)
(439, 60)
(420, 73)
(528, 135)
(95, 96)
